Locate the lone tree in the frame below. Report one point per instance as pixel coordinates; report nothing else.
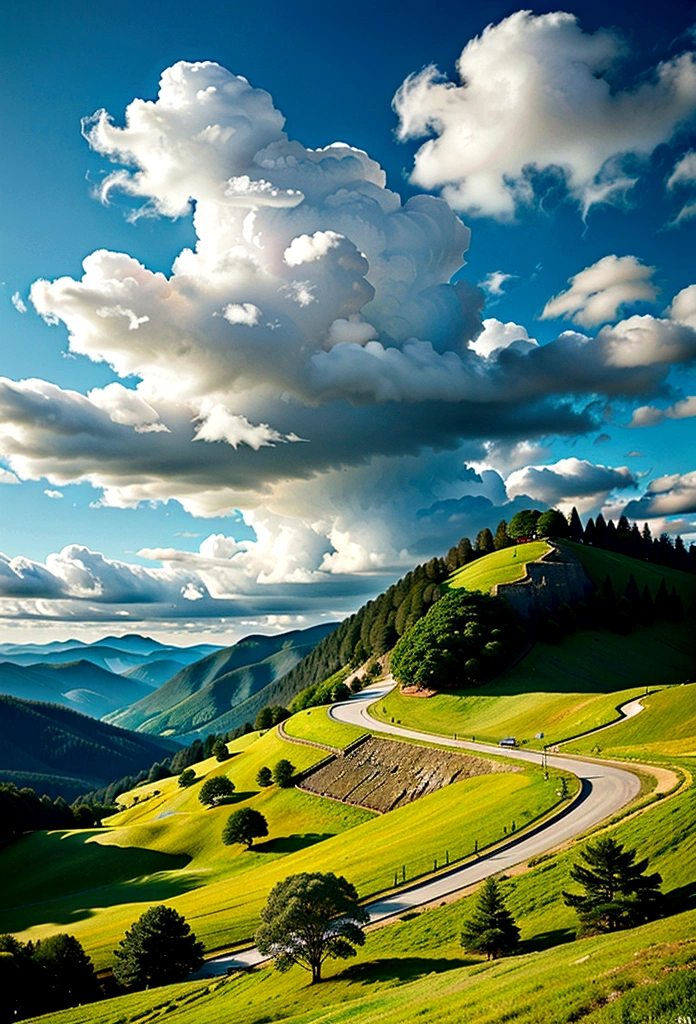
(244, 826)
(160, 948)
(309, 918)
(522, 526)
(282, 773)
(214, 790)
(618, 893)
(264, 776)
(491, 929)
(187, 778)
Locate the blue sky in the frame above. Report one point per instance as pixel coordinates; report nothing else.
(314, 484)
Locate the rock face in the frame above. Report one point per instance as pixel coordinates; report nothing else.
(558, 577)
(384, 774)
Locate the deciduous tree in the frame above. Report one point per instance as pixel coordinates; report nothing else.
(308, 919)
(244, 826)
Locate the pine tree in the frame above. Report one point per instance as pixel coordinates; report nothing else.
(491, 929)
(484, 542)
(646, 614)
(662, 605)
(501, 539)
(575, 530)
(633, 593)
(160, 948)
(618, 893)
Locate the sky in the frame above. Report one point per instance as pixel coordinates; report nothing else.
(292, 300)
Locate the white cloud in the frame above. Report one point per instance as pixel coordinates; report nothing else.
(7, 477)
(671, 495)
(54, 494)
(684, 177)
(497, 335)
(649, 415)
(683, 306)
(647, 341)
(570, 482)
(598, 292)
(494, 283)
(19, 303)
(534, 95)
(242, 313)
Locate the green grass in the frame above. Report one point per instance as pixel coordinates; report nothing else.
(504, 566)
(167, 848)
(315, 724)
(666, 728)
(599, 564)
(416, 968)
(558, 690)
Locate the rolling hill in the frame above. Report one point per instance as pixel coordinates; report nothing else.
(222, 690)
(80, 685)
(67, 752)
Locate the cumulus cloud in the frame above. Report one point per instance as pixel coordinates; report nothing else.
(534, 96)
(7, 477)
(683, 307)
(570, 482)
(671, 495)
(497, 335)
(649, 415)
(53, 494)
(308, 362)
(598, 292)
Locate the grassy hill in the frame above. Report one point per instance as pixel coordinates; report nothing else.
(40, 741)
(202, 697)
(564, 690)
(504, 566)
(166, 846)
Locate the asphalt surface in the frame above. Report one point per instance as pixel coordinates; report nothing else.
(604, 791)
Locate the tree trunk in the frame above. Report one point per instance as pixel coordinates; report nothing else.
(316, 973)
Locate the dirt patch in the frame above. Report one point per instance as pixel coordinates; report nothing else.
(417, 691)
(384, 774)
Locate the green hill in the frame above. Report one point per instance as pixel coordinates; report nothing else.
(504, 566)
(204, 697)
(45, 741)
(562, 690)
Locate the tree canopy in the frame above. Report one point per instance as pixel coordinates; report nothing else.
(454, 645)
(491, 929)
(552, 524)
(160, 948)
(617, 891)
(523, 524)
(308, 919)
(283, 772)
(244, 826)
(214, 790)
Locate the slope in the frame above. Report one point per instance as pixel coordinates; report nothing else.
(562, 690)
(77, 684)
(196, 698)
(49, 740)
(504, 566)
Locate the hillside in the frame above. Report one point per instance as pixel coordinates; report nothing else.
(41, 742)
(205, 696)
(80, 685)
(115, 654)
(560, 690)
(504, 566)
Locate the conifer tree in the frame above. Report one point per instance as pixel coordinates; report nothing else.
(160, 948)
(491, 929)
(617, 891)
(501, 539)
(575, 530)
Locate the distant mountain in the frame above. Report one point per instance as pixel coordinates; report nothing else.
(44, 744)
(95, 678)
(203, 697)
(80, 685)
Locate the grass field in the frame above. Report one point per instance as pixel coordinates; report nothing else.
(558, 690)
(666, 728)
(167, 848)
(504, 566)
(599, 564)
(315, 724)
(416, 968)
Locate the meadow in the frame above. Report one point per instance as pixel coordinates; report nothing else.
(504, 566)
(166, 848)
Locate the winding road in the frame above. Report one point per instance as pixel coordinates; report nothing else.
(605, 790)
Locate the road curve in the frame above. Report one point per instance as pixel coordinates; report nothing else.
(605, 790)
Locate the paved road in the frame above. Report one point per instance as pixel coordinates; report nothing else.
(605, 790)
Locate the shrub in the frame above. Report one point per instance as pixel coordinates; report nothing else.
(283, 773)
(215, 790)
(160, 948)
